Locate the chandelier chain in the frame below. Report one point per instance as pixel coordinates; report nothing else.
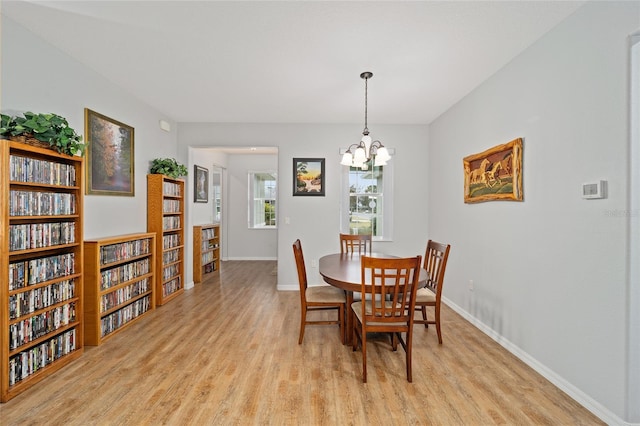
(366, 130)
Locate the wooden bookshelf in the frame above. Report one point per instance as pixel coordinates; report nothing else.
(165, 217)
(206, 251)
(41, 264)
(119, 283)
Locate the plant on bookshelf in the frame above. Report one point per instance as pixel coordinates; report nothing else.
(168, 167)
(50, 129)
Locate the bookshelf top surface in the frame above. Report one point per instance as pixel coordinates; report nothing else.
(120, 238)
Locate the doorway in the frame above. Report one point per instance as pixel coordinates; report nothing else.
(217, 204)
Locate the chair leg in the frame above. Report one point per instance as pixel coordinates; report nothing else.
(364, 357)
(407, 348)
(424, 316)
(437, 315)
(303, 319)
(360, 335)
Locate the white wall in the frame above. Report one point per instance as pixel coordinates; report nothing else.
(40, 78)
(316, 220)
(549, 272)
(244, 243)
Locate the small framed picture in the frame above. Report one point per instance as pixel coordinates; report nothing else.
(308, 176)
(201, 185)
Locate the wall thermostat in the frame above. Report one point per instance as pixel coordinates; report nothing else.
(593, 190)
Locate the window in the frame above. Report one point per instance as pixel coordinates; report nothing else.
(368, 198)
(262, 199)
(216, 193)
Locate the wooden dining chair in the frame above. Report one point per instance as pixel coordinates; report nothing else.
(360, 244)
(435, 262)
(391, 285)
(317, 298)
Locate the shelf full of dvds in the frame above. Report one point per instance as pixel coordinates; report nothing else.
(206, 250)
(165, 217)
(119, 283)
(41, 262)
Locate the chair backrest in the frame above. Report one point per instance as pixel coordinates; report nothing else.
(302, 271)
(395, 282)
(435, 262)
(360, 244)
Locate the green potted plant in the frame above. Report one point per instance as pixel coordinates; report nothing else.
(168, 167)
(50, 129)
(6, 124)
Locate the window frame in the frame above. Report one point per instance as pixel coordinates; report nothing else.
(252, 199)
(387, 202)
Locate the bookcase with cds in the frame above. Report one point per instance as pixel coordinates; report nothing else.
(41, 264)
(206, 251)
(119, 283)
(165, 217)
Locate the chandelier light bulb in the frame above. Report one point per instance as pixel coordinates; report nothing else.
(360, 156)
(357, 163)
(379, 162)
(383, 154)
(347, 159)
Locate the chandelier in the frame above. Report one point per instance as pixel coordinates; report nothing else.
(359, 154)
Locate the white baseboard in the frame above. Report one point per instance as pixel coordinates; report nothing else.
(585, 400)
(288, 287)
(249, 258)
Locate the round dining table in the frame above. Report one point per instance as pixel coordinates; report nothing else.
(342, 270)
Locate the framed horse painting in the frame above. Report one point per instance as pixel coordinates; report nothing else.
(495, 174)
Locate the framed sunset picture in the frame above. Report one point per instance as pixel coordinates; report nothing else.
(308, 176)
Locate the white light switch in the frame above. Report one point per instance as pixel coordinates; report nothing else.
(164, 125)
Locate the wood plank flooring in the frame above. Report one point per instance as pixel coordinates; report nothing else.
(226, 353)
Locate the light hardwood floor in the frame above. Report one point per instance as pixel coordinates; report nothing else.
(226, 352)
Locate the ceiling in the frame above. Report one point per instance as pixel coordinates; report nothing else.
(293, 61)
